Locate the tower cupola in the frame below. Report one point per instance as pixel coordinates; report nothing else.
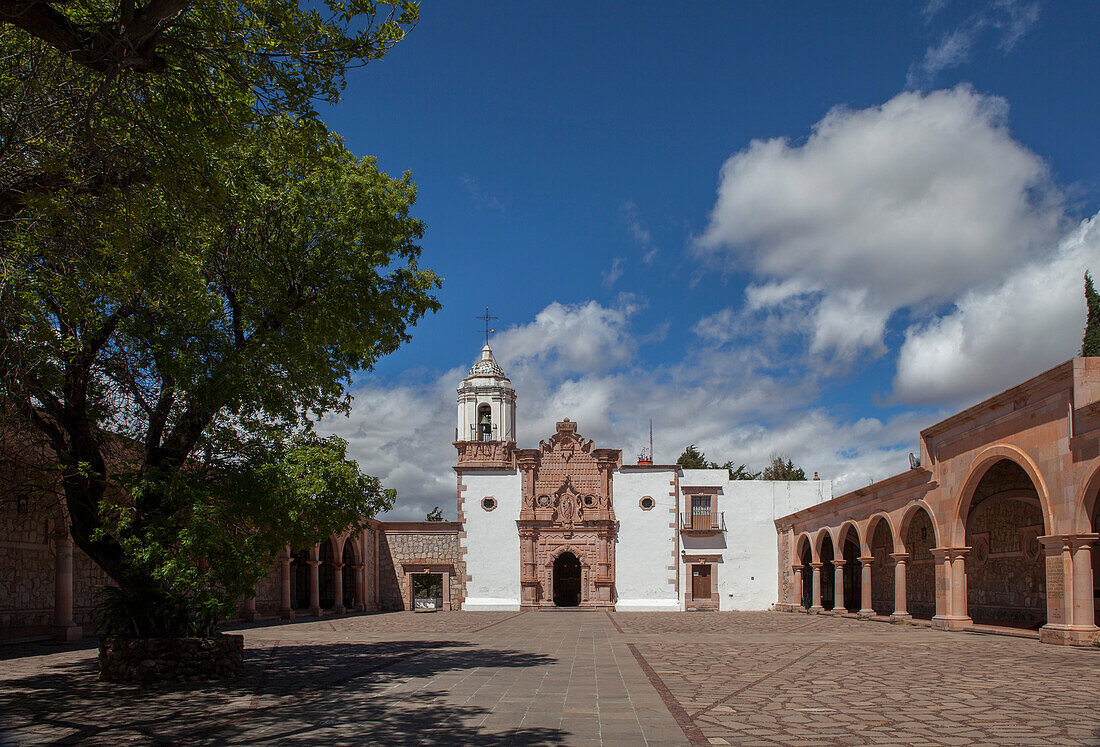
(486, 403)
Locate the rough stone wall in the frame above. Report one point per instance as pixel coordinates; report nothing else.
(395, 549)
(268, 592)
(920, 568)
(1005, 570)
(784, 568)
(882, 570)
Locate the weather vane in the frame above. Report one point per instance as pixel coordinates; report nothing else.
(486, 319)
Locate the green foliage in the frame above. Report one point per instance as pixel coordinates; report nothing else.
(692, 458)
(1090, 345)
(435, 514)
(779, 469)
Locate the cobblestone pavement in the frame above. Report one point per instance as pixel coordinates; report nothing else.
(577, 678)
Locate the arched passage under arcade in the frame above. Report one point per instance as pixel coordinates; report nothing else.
(805, 558)
(299, 579)
(919, 534)
(851, 573)
(882, 567)
(327, 576)
(1005, 568)
(348, 576)
(828, 572)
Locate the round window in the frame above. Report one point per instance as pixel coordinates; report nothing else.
(488, 503)
(590, 500)
(646, 503)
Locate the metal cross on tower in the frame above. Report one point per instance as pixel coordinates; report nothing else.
(486, 319)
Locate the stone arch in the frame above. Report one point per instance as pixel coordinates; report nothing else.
(919, 536)
(881, 538)
(819, 541)
(349, 575)
(871, 526)
(804, 540)
(1006, 567)
(1087, 503)
(326, 573)
(978, 469)
(911, 512)
(849, 546)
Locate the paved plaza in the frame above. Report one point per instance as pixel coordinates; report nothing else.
(577, 678)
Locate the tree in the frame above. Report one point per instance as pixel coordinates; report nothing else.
(778, 469)
(692, 458)
(435, 514)
(98, 96)
(209, 337)
(1090, 345)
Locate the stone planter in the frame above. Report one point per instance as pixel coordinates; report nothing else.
(171, 659)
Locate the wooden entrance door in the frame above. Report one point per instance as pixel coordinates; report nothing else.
(700, 583)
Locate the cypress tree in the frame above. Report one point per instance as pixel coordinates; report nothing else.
(1090, 346)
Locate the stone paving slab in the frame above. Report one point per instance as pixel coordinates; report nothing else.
(614, 678)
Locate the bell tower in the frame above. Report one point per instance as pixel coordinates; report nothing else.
(486, 432)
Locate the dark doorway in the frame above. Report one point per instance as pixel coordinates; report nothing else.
(327, 576)
(351, 588)
(700, 583)
(567, 580)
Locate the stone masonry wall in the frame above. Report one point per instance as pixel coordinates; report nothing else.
(396, 549)
(920, 568)
(882, 570)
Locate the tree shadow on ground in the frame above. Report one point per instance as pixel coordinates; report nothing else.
(339, 692)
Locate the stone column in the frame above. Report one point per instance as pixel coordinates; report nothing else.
(900, 608)
(816, 590)
(958, 589)
(64, 628)
(1084, 612)
(360, 587)
(315, 581)
(865, 610)
(1070, 615)
(795, 595)
(286, 610)
(446, 590)
(249, 613)
(838, 587)
(339, 584)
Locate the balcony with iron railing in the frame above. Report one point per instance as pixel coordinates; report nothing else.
(703, 524)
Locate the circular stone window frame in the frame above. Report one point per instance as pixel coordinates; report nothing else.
(642, 502)
(488, 503)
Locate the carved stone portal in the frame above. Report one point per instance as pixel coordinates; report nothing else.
(567, 508)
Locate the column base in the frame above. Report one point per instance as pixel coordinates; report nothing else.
(339, 609)
(817, 609)
(900, 617)
(286, 614)
(67, 633)
(316, 612)
(1069, 635)
(951, 622)
(865, 614)
(250, 615)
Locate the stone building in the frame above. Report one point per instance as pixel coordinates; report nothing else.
(992, 526)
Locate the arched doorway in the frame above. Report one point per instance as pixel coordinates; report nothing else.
(882, 568)
(807, 590)
(853, 575)
(920, 568)
(327, 576)
(828, 574)
(567, 580)
(299, 593)
(1005, 570)
(351, 590)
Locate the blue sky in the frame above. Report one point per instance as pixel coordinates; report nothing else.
(771, 227)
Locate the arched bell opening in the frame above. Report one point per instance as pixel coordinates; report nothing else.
(484, 423)
(299, 579)
(350, 587)
(1006, 567)
(567, 580)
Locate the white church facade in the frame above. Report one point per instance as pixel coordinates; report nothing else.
(568, 524)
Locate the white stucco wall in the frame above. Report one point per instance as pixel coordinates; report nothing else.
(749, 565)
(646, 545)
(491, 541)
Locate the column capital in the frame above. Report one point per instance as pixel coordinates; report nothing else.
(338, 566)
(1072, 541)
(899, 557)
(313, 563)
(948, 553)
(867, 559)
(838, 563)
(817, 565)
